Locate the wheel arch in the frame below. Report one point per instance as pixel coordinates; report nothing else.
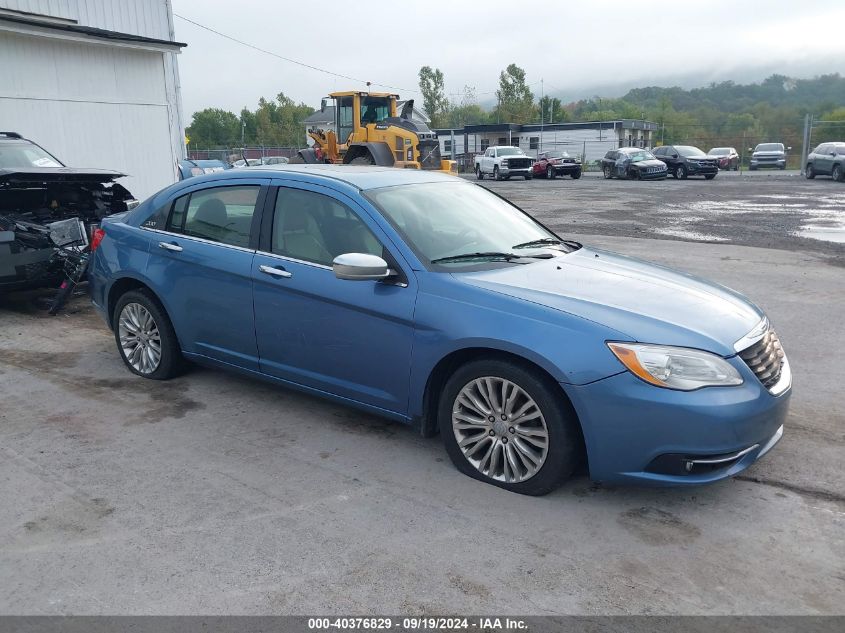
(123, 285)
(447, 365)
(380, 153)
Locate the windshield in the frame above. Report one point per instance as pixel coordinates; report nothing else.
(509, 151)
(689, 151)
(719, 151)
(445, 219)
(638, 156)
(557, 155)
(25, 155)
(769, 147)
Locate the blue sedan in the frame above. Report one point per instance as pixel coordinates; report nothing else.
(432, 301)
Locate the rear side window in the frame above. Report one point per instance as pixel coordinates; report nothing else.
(220, 214)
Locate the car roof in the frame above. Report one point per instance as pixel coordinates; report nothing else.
(361, 177)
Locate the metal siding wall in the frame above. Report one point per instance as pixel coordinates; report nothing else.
(139, 17)
(91, 105)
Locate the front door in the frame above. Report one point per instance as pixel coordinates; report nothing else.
(348, 338)
(202, 262)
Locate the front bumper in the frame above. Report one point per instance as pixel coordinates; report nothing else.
(703, 170)
(779, 163)
(515, 171)
(630, 426)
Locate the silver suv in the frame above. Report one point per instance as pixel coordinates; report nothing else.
(828, 159)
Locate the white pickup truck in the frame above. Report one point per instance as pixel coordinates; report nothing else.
(503, 161)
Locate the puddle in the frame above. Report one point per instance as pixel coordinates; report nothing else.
(690, 235)
(826, 233)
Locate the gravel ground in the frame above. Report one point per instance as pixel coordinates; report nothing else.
(780, 210)
(215, 494)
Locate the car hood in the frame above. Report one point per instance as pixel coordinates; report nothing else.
(14, 175)
(651, 162)
(646, 302)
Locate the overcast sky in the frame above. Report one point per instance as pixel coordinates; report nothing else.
(578, 49)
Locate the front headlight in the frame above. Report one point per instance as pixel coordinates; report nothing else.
(675, 367)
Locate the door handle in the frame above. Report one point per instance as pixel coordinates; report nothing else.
(170, 246)
(275, 272)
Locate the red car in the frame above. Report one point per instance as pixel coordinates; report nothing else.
(556, 163)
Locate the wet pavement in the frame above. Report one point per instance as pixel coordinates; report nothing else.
(779, 210)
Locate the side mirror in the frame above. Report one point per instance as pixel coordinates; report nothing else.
(788, 149)
(674, 155)
(751, 150)
(323, 105)
(7, 237)
(360, 267)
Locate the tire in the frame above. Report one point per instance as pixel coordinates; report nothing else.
(709, 176)
(608, 172)
(528, 176)
(496, 175)
(170, 362)
(563, 437)
(681, 172)
(362, 160)
(550, 172)
(576, 174)
(478, 173)
(809, 172)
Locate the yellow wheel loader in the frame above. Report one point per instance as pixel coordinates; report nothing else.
(368, 131)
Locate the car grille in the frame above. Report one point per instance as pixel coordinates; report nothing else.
(767, 159)
(429, 154)
(519, 163)
(765, 358)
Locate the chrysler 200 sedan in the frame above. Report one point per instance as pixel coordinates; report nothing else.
(430, 300)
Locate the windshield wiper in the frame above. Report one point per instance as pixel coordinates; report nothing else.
(491, 255)
(548, 240)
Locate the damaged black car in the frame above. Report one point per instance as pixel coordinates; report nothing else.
(47, 208)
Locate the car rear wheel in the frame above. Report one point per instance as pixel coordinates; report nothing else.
(504, 424)
(837, 173)
(608, 173)
(681, 172)
(576, 175)
(709, 176)
(478, 173)
(809, 172)
(145, 337)
(550, 172)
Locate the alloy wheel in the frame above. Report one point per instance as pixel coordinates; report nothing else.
(139, 338)
(500, 429)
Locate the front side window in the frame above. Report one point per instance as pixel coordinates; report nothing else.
(315, 228)
(220, 214)
(447, 219)
(374, 109)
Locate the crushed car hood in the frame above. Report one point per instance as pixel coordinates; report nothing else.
(14, 175)
(651, 162)
(647, 302)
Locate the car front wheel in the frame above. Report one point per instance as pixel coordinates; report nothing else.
(550, 172)
(681, 172)
(504, 424)
(809, 172)
(145, 337)
(608, 174)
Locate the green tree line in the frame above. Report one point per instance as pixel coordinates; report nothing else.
(724, 113)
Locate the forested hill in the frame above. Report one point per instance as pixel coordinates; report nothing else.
(816, 95)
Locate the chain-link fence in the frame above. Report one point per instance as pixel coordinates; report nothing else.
(231, 154)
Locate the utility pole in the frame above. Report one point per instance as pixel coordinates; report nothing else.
(542, 113)
(805, 147)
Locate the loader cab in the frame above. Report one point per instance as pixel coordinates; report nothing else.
(353, 110)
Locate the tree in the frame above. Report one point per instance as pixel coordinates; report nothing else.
(467, 111)
(214, 127)
(551, 110)
(435, 103)
(515, 99)
(280, 122)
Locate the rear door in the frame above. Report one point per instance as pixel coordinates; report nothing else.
(201, 264)
(348, 338)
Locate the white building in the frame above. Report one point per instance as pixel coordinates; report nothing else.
(96, 83)
(591, 139)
